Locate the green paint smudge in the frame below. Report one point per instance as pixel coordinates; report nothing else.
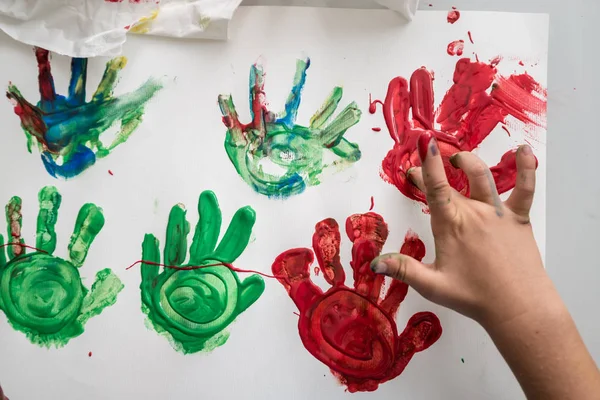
(192, 308)
(42, 295)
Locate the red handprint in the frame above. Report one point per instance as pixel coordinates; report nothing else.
(353, 331)
(466, 116)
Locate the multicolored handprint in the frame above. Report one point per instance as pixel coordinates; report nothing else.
(275, 156)
(67, 129)
(43, 295)
(353, 330)
(192, 307)
(466, 116)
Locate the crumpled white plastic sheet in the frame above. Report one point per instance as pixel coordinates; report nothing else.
(88, 28)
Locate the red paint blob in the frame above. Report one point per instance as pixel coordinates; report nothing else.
(373, 105)
(90, 354)
(470, 37)
(317, 271)
(456, 48)
(372, 204)
(353, 330)
(376, 129)
(453, 16)
(110, 172)
(506, 129)
(474, 105)
(521, 63)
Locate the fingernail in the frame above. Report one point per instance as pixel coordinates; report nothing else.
(427, 143)
(454, 160)
(526, 150)
(379, 267)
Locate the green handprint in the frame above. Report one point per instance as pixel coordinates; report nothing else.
(191, 306)
(275, 156)
(42, 295)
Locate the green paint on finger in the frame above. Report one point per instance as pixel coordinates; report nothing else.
(43, 295)
(193, 308)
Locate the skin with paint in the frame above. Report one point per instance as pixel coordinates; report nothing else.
(42, 295)
(275, 156)
(67, 129)
(353, 330)
(193, 307)
(487, 266)
(478, 101)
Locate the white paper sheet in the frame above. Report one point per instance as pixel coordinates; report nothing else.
(177, 152)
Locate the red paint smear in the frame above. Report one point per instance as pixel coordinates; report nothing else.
(521, 63)
(453, 16)
(474, 105)
(90, 354)
(372, 204)
(352, 330)
(317, 271)
(506, 129)
(295, 313)
(376, 129)
(470, 37)
(456, 48)
(110, 172)
(373, 105)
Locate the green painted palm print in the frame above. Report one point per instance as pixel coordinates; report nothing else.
(42, 295)
(193, 307)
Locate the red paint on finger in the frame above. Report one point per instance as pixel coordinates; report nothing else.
(424, 141)
(475, 104)
(456, 48)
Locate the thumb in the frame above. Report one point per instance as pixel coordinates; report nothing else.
(406, 269)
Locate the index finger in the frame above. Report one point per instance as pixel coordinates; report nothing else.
(440, 196)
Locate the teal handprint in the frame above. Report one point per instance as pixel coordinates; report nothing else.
(42, 295)
(189, 305)
(275, 156)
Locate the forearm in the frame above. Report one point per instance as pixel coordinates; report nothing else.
(545, 351)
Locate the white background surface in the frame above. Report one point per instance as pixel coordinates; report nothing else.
(150, 368)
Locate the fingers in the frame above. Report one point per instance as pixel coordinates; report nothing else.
(231, 120)
(327, 109)
(14, 219)
(176, 240)
(288, 117)
(208, 228)
(149, 272)
(332, 134)
(437, 189)
(521, 198)
(78, 80)
(50, 201)
(250, 290)
(46, 81)
(237, 236)
(104, 293)
(258, 99)
(481, 181)
(406, 269)
(90, 221)
(109, 79)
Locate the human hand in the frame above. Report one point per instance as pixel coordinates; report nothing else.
(189, 305)
(353, 330)
(67, 129)
(487, 263)
(275, 156)
(43, 295)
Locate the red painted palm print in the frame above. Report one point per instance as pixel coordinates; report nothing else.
(353, 330)
(476, 103)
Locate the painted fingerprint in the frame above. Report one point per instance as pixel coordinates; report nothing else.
(192, 307)
(272, 154)
(67, 129)
(476, 103)
(353, 330)
(42, 295)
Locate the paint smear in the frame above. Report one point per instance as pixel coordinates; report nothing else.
(477, 102)
(456, 48)
(470, 37)
(192, 308)
(43, 296)
(376, 129)
(272, 154)
(353, 330)
(144, 24)
(453, 16)
(67, 129)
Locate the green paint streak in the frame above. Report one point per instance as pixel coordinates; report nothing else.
(193, 308)
(13, 222)
(43, 295)
(463, 360)
(275, 156)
